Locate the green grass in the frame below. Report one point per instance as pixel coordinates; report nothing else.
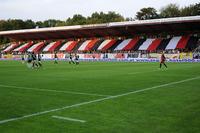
(170, 109)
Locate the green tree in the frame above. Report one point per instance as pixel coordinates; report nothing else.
(16, 24)
(147, 13)
(171, 10)
(4, 25)
(191, 10)
(96, 18)
(50, 23)
(60, 23)
(101, 17)
(76, 20)
(114, 17)
(39, 24)
(29, 24)
(196, 9)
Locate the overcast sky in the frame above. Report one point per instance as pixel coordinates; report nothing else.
(62, 9)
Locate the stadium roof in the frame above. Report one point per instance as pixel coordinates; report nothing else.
(177, 25)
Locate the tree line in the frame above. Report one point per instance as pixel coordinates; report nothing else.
(171, 10)
(77, 19)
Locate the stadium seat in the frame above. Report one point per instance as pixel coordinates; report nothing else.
(146, 44)
(138, 44)
(183, 42)
(123, 44)
(153, 46)
(173, 43)
(105, 45)
(36, 47)
(114, 45)
(163, 44)
(87, 45)
(11, 47)
(52, 46)
(131, 44)
(68, 46)
(23, 47)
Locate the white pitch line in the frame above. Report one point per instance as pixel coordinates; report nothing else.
(56, 91)
(68, 119)
(97, 100)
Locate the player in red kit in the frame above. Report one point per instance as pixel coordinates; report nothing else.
(162, 60)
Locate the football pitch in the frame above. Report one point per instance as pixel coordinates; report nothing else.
(99, 97)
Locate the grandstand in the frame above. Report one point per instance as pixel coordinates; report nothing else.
(172, 35)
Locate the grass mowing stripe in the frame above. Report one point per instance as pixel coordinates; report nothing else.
(97, 100)
(68, 119)
(48, 90)
(70, 92)
(133, 73)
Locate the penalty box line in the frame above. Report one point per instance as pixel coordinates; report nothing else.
(95, 101)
